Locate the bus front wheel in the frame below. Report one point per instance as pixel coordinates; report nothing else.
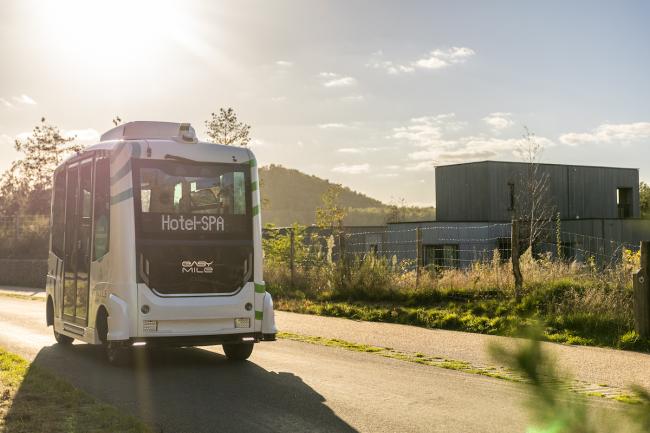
(63, 340)
(238, 351)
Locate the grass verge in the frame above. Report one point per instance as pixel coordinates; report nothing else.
(34, 400)
(581, 388)
(485, 316)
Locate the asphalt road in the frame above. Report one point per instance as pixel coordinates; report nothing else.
(285, 387)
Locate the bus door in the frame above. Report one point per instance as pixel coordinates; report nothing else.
(78, 225)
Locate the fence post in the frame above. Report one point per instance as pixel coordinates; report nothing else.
(343, 260)
(418, 253)
(292, 252)
(16, 228)
(516, 270)
(642, 293)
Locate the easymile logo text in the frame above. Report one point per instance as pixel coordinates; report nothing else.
(206, 223)
(196, 266)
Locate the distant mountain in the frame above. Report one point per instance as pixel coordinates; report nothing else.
(290, 196)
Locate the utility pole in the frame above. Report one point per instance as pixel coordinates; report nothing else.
(516, 270)
(642, 293)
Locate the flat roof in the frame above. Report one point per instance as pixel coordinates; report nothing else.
(541, 163)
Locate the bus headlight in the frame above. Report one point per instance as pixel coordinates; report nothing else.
(243, 322)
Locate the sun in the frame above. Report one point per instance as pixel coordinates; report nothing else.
(113, 38)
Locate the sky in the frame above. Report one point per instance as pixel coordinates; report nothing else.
(369, 94)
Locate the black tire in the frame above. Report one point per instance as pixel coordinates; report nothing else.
(63, 340)
(117, 353)
(238, 351)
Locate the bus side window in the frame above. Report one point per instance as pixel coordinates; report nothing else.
(58, 213)
(102, 208)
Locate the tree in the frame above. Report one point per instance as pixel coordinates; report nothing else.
(533, 205)
(397, 210)
(331, 214)
(644, 199)
(26, 185)
(532, 208)
(224, 128)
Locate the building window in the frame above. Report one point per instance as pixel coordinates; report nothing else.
(624, 202)
(511, 190)
(505, 248)
(441, 256)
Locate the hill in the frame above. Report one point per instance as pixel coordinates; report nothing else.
(290, 196)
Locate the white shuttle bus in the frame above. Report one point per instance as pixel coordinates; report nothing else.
(156, 240)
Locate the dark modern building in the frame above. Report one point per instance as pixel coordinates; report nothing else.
(488, 190)
(476, 202)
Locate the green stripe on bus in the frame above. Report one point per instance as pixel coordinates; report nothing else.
(259, 315)
(252, 162)
(122, 196)
(254, 186)
(135, 149)
(256, 210)
(119, 174)
(259, 288)
(126, 168)
(116, 152)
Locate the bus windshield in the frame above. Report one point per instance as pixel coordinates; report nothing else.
(174, 187)
(186, 198)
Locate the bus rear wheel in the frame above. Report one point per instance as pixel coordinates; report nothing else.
(238, 351)
(63, 340)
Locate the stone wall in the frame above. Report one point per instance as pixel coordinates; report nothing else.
(23, 272)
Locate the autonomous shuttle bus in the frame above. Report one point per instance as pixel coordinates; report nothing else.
(156, 240)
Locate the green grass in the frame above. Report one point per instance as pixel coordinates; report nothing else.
(34, 400)
(495, 316)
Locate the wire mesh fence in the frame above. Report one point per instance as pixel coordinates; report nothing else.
(449, 246)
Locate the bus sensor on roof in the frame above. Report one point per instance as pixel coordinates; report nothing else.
(183, 132)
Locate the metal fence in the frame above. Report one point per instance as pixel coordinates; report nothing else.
(440, 246)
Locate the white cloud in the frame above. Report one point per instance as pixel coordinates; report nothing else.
(86, 136)
(352, 168)
(332, 79)
(435, 59)
(278, 98)
(437, 139)
(623, 133)
(284, 63)
(498, 121)
(6, 103)
(341, 82)
(358, 149)
(440, 58)
(333, 125)
(429, 130)
(24, 99)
